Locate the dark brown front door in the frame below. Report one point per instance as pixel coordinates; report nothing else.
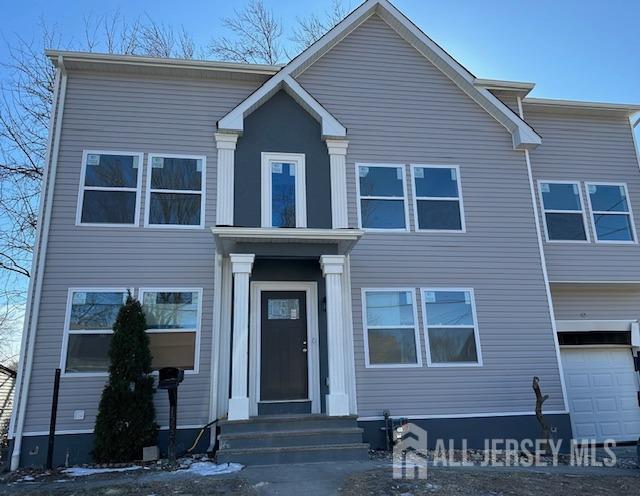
(283, 346)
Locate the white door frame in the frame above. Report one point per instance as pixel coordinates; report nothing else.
(313, 342)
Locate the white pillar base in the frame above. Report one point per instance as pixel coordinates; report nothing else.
(238, 409)
(337, 404)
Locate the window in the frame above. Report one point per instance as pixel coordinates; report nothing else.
(563, 211)
(89, 321)
(450, 327)
(109, 188)
(611, 213)
(390, 330)
(284, 202)
(381, 197)
(173, 326)
(437, 198)
(175, 191)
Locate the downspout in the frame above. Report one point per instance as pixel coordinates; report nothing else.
(543, 262)
(37, 276)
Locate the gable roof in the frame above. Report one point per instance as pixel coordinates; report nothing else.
(523, 135)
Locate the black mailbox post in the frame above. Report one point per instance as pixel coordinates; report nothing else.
(170, 378)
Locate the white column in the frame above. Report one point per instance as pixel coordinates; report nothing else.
(241, 265)
(338, 162)
(226, 144)
(337, 400)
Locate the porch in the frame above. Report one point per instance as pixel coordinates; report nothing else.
(284, 334)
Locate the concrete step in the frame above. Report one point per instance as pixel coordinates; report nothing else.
(286, 422)
(286, 438)
(294, 454)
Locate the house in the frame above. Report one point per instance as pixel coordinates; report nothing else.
(369, 228)
(7, 386)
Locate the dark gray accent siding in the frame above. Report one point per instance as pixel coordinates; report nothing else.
(75, 449)
(281, 125)
(477, 429)
(301, 270)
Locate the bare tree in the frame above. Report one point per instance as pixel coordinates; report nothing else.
(311, 28)
(256, 36)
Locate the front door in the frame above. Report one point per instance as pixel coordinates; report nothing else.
(284, 374)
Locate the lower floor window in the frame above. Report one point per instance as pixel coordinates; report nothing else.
(173, 327)
(390, 328)
(450, 327)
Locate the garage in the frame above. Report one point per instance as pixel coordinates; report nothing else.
(602, 393)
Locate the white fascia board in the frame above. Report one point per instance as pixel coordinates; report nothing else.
(618, 107)
(593, 325)
(234, 120)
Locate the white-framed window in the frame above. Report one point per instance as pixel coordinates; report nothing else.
(90, 316)
(283, 191)
(563, 209)
(390, 325)
(173, 325)
(611, 215)
(437, 198)
(451, 327)
(175, 191)
(110, 185)
(382, 197)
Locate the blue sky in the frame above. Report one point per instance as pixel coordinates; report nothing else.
(571, 49)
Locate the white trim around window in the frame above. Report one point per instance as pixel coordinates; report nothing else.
(196, 330)
(426, 327)
(82, 188)
(298, 161)
(67, 331)
(415, 327)
(458, 198)
(628, 213)
(546, 211)
(150, 190)
(360, 197)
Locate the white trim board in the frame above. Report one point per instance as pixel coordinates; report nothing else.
(523, 136)
(313, 340)
(462, 415)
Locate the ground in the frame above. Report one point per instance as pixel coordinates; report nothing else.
(364, 478)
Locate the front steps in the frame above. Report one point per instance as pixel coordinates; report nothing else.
(268, 440)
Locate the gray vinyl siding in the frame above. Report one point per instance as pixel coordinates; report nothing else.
(596, 302)
(509, 98)
(7, 388)
(587, 146)
(138, 114)
(399, 108)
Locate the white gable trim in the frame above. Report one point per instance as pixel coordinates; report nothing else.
(522, 134)
(234, 120)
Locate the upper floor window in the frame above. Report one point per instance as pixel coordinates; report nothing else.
(450, 327)
(173, 326)
(89, 322)
(563, 211)
(175, 191)
(611, 213)
(390, 328)
(283, 190)
(110, 188)
(382, 197)
(437, 198)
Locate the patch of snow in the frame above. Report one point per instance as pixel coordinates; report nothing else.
(209, 468)
(83, 471)
(26, 478)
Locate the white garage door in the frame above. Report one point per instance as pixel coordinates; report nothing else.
(602, 390)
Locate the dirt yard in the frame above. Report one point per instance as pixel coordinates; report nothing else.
(486, 482)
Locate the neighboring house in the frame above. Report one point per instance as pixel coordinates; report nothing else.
(367, 228)
(7, 386)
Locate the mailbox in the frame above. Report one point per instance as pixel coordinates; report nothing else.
(170, 377)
